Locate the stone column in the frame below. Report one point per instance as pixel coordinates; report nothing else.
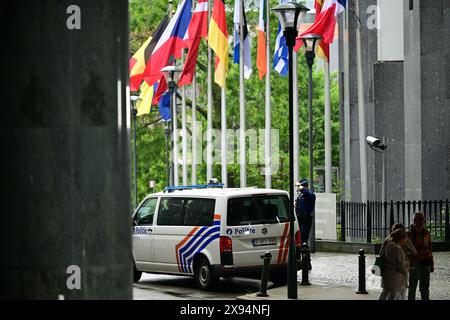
(65, 186)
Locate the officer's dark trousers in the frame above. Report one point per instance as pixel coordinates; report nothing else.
(305, 227)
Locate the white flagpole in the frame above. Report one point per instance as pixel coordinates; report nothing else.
(209, 110)
(361, 111)
(295, 114)
(327, 120)
(242, 158)
(194, 131)
(184, 134)
(267, 148)
(347, 180)
(175, 140)
(223, 135)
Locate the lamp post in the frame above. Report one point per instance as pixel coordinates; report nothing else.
(288, 14)
(310, 42)
(171, 74)
(134, 115)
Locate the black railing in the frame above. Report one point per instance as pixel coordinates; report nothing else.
(372, 221)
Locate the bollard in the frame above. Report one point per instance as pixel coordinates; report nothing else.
(306, 261)
(362, 272)
(265, 275)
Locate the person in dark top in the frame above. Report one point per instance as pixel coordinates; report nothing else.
(421, 264)
(304, 207)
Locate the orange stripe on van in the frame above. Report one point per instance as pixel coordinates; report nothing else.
(286, 248)
(180, 244)
(217, 217)
(281, 249)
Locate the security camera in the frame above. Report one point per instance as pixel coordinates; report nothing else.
(375, 143)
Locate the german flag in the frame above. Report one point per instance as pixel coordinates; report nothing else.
(139, 60)
(218, 41)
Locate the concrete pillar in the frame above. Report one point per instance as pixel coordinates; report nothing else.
(65, 187)
(389, 108)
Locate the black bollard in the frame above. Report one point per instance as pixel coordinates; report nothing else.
(362, 272)
(306, 262)
(265, 275)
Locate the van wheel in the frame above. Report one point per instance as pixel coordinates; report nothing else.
(136, 274)
(204, 277)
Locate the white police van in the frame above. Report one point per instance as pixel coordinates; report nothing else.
(208, 232)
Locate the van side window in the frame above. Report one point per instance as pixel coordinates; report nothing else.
(145, 214)
(186, 212)
(257, 210)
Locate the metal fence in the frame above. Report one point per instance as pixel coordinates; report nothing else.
(372, 221)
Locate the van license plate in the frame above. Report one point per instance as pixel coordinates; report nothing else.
(264, 242)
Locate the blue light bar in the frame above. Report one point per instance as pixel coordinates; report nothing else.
(195, 186)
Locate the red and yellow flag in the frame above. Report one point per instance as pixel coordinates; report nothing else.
(218, 41)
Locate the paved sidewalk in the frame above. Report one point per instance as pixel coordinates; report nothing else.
(315, 292)
(335, 277)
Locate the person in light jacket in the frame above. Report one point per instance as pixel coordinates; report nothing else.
(395, 267)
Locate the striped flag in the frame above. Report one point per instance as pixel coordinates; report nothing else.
(324, 24)
(198, 28)
(170, 43)
(247, 57)
(139, 60)
(146, 98)
(281, 56)
(261, 57)
(218, 41)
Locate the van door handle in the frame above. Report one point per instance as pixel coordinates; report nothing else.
(150, 230)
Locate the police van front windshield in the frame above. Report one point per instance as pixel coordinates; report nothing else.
(257, 210)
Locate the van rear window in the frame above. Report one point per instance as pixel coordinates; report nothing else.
(257, 209)
(186, 212)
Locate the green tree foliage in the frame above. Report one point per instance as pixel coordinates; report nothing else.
(151, 144)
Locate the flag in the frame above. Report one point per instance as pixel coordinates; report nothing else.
(139, 60)
(170, 43)
(164, 106)
(281, 56)
(146, 98)
(218, 41)
(324, 24)
(160, 90)
(261, 57)
(198, 28)
(247, 57)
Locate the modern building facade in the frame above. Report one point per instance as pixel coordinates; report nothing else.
(405, 59)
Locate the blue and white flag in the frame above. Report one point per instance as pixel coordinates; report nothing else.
(281, 54)
(247, 56)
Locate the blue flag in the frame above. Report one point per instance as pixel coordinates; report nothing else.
(281, 56)
(164, 106)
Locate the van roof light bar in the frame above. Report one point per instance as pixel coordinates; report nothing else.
(195, 186)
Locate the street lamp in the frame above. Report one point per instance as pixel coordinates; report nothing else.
(288, 14)
(309, 42)
(134, 115)
(172, 73)
(379, 146)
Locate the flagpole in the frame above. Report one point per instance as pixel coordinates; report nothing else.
(184, 132)
(175, 139)
(242, 157)
(327, 120)
(194, 131)
(223, 142)
(295, 114)
(268, 120)
(361, 111)
(209, 109)
(347, 185)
